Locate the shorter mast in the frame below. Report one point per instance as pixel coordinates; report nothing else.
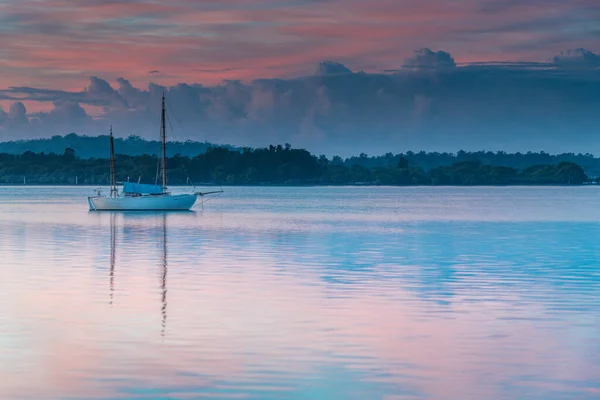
(113, 176)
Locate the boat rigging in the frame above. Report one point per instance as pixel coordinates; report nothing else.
(145, 197)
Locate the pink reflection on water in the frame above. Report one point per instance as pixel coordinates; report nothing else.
(232, 316)
(251, 310)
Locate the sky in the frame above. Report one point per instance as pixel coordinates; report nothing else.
(329, 75)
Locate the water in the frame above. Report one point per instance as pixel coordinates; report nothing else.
(303, 293)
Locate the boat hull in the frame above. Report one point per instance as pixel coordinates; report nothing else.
(143, 203)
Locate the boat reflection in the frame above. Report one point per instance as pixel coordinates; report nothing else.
(163, 281)
(162, 235)
(113, 254)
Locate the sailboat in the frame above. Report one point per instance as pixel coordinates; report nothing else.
(144, 197)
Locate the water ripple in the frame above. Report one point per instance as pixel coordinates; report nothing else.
(290, 293)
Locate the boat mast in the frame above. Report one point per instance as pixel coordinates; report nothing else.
(163, 137)
(113, 176)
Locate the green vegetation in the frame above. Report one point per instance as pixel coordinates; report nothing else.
(97, 147)
(520, 161)
(279, 165)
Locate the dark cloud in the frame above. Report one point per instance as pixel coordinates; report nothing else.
(67, 111)
(427, 59)
(136, 98)
(577, 58)
(15, 118)
(50, 95)
(101, 92)
(17, 112)
(332, 68)
(497, 106)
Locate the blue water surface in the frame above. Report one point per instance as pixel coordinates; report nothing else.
(303, 293)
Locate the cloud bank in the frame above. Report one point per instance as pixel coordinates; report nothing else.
(429, 104)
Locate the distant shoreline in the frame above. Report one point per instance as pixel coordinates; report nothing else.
(280, 166)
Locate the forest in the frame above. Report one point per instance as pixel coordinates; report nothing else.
(97, 147)
(280, 165)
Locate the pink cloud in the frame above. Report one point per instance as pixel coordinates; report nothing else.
(62, 43)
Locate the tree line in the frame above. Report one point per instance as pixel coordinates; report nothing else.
(518, 160)
(274, 165)
(97, 147)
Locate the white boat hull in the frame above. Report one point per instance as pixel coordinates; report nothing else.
(143, 203)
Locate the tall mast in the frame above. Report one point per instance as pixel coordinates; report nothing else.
(113, 176)
(163, 137)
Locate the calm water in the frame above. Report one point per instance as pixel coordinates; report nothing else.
(303, 293)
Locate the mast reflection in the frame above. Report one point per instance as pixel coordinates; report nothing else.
(162, 234)
(113, 255)
(164, 275)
